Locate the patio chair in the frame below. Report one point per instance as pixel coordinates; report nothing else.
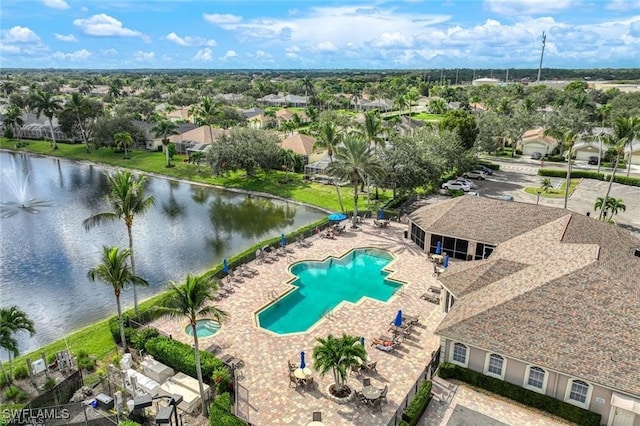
(292, 366)
(370, 367)
(246, 268)
(431, 297)
(410, 319)
(360, 399)
(317, 416)
(306, 243)
(244, 273)
(376, 223)
(293, 379)
(383, 393)
(376, 403)
(366, 382)
(309, 382)
(235, 278)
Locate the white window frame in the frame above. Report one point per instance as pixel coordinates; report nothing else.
(587, 401)
(487, 363)
(464, 364)
(526, 384)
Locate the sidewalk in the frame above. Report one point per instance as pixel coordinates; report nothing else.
(471, 407)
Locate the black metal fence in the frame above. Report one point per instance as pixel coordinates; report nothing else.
(426, 374)
(60, 393)
(72, 414)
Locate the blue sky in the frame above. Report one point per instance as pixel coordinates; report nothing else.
(308, 34)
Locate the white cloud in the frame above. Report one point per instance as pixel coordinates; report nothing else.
(141, 56)
(528, 7)
(9, 49)
(109, 52)
(103, 25)
(394, 39)
(56, 4)
(78, 55)
(204, 55)
(261, 54)
(19, 34)
(69, 38)
(229, 55)
(188, 41)
(325, 46)
(623, 5)
(219, 19)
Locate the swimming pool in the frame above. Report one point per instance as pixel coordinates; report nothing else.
(321, 286)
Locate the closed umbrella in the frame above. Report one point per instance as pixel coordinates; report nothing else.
(445, 263)
(439, 247)
(283, 240)
(362, 340)
(397, 322)
(381, 214)
(225, 266)
(303, 365)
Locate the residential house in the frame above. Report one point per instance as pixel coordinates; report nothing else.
(300, 144)
(534, 140)
(548, 301)
(154, 143)
(407, 125)
(282, 100)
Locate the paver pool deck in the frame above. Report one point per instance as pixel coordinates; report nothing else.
(272, 401)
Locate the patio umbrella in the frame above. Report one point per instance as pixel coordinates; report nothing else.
(381, 214)
(439, 247)
(303, 365)
(225, 266)
(337, 217)
(362, 340)
(283, 240)
(397, 322)
(445, 263)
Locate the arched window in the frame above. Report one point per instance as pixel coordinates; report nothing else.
(459, 354)
(536, 379)
(495, 365)
(579, 392)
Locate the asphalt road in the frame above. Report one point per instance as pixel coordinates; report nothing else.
(514, 176)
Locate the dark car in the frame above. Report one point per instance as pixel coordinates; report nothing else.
(594, 160)
(484, 169)
(536, 156)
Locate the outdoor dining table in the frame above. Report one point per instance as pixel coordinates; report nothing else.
(371, 393)
(438, 258)
(300, 373)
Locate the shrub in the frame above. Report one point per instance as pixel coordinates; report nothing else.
(624, 180)
(86, 361)
(20, 371)
(418, 404)
(524, 396)
(220, 412)
(222, 379)
(575, 174)
(49, 383)
(456, 193)
(180, 357)
(128, 423)
(114, 328)
(140, 337)
(14, 393)
(3, 381)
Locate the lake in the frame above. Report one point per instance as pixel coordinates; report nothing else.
(45, 252)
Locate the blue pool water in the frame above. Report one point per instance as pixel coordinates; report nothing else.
(321, 286)
(204, 328)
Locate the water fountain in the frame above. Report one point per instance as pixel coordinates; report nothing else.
(18, 183)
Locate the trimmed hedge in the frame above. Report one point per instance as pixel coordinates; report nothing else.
(490, 165)
(524, 396)
(220, 412)
(560, 173)
(181, 358)
(588, 174)
(418, 404)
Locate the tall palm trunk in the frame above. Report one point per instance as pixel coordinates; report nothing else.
(53, 136)
(123, 338)
(82, 132)
(613, 176)
(629, 161)
(355, 202)
(7, 379)
(133, 269)
(339, 197)
(600, 154)
(567, 183)
(196, 350)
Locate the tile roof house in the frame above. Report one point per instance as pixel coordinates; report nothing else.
(553, 305)
(534, 140)
(300, 144)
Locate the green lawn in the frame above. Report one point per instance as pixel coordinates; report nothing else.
(553, 192)
(426, 116)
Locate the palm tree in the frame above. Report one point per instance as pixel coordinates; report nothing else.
(614, 205)
(338, 355)
(13, 120)
(505, 106)
(163, 129)
(545, 185)
(79, 106)
(192, 302)
(127, 199)
(13, 320)
(623, 131)
(289, 161)
(307, 85)
(43, 103)
(604, 112)
(437, 106)
(411, 96)
(567, 138)
(114, 270)
(206, 112)
(123, 140)
(328, 136)
(355, 162)
(400, 102)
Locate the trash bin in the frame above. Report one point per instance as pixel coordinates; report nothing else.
(406, 233)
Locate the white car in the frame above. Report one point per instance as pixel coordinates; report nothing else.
(474, 174)
(456, 185)
(468, 182)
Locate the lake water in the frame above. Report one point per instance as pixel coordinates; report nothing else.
(45, 256)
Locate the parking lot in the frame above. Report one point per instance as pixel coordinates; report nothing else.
(513, 177)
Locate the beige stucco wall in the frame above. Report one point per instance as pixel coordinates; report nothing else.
(557, 383)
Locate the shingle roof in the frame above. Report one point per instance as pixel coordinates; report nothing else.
(564, 295)
(300, 144)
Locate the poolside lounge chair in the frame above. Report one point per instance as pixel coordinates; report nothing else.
(226, 288)
(430, 296)
(245, 268)
(369, 367)
(410, 319)
(235, 278)
(389, 348)
(306, 243)
(244, 273)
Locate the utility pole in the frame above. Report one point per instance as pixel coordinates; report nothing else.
(544, 40)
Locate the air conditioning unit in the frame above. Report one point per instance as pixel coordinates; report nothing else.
(38, 366)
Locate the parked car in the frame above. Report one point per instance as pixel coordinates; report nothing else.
(484, 169)
(536, 156)
(456, 185)
(506, 197)
(472, 193)
(594, 160)
(471, 184)
(474, 174)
